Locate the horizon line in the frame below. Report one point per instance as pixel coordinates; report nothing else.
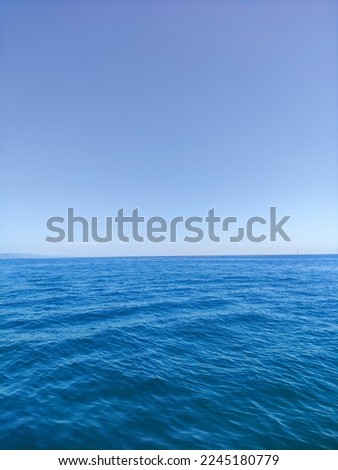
(46, 256)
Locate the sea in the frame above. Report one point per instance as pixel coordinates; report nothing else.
(169, 353)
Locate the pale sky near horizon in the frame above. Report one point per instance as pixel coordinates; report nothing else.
(174, 107)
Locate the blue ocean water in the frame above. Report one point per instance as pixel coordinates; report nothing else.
(169, 353)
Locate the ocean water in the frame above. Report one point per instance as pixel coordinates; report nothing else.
(169, 353)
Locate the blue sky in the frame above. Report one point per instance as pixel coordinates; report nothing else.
(174, 107)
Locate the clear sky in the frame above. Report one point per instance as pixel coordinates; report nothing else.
(171, 106)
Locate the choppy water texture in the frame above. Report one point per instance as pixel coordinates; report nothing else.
(169, 353)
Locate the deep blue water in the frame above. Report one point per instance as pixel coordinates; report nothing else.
(169, 353)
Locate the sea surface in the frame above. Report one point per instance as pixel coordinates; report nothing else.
(169, 353)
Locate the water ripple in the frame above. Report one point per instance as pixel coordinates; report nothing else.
(168, 353)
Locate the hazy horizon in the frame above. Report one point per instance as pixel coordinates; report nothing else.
(51, 256)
